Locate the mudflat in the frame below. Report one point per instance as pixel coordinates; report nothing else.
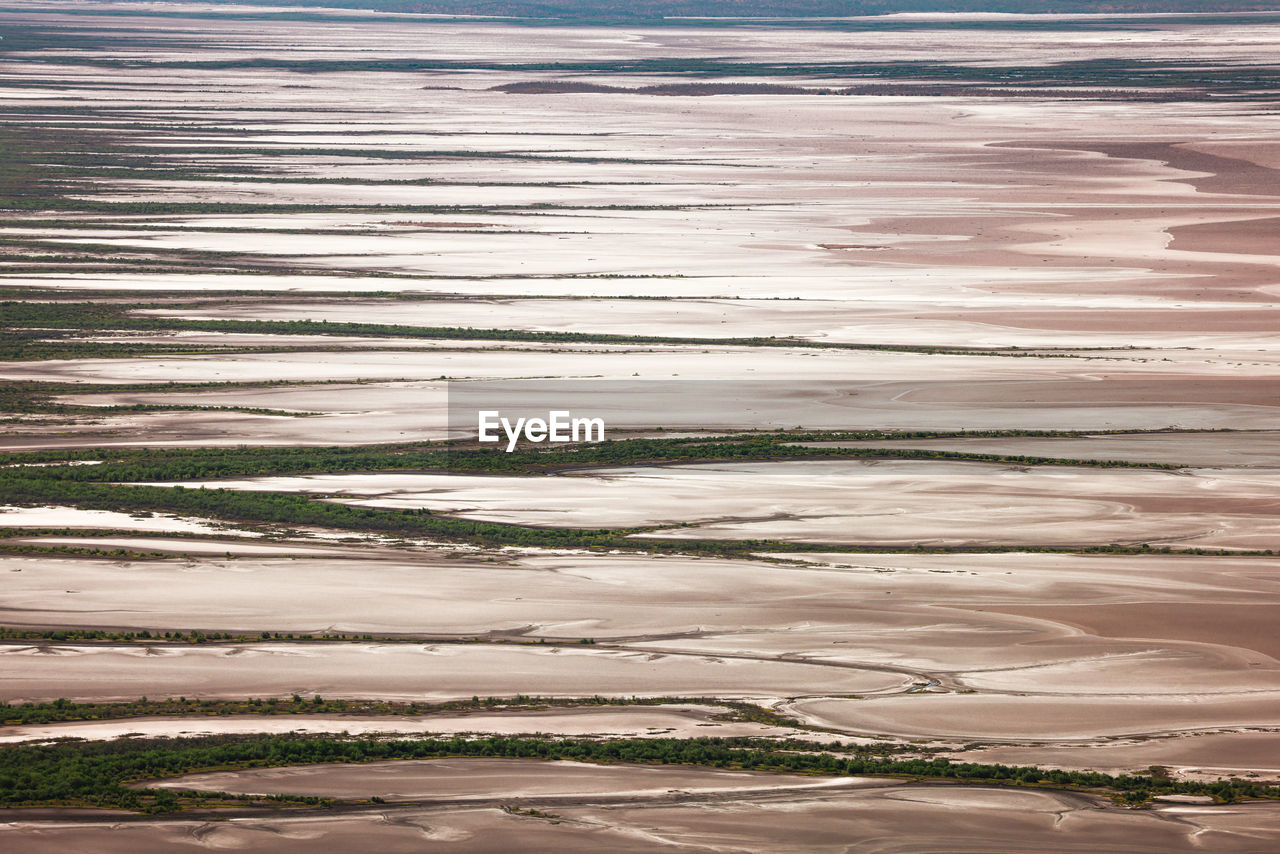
(280, 239)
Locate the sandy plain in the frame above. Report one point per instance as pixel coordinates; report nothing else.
(888, 502)
(904, 820)
(477, 779)
(1202, 756)
(666, 721)
(436, 672)
(1021, 717)
(1211, 449)
(184, 545)
(987, 612)
(977, 221)
(401, 395)
(627, 596)
(75, 517)
(978, 628)
(1029, 323)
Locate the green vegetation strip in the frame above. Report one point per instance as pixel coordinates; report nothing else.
(97, 773)
(64, 711)
(118, 465)
(16, 398)
(34, 479)
(299, 510)
(287, 509)
(11, 543)
(198, 637)
(36, 322)
(50, 168)
(1194, 80)
(8, 548)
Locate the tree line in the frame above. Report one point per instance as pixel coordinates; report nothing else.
(97, 773)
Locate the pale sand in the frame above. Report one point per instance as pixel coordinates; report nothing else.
(909, 819)
(181, 545)
(477, 779)
(1225, 449)
(668, 721)
(952, 819)
(889, 502)
(1029, 322)
(1242, 625)
(1209, 756)
(401, 672)
(946, 612)
(403, 393)
(74, 517)
(1017, 717)
(994, 221)
(951, 621)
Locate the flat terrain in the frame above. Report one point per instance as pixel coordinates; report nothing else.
(925, 818)
(477, 779)
(404, 672)
(667, 721)
(939, 355)
(885, 502)
(1102, 646)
